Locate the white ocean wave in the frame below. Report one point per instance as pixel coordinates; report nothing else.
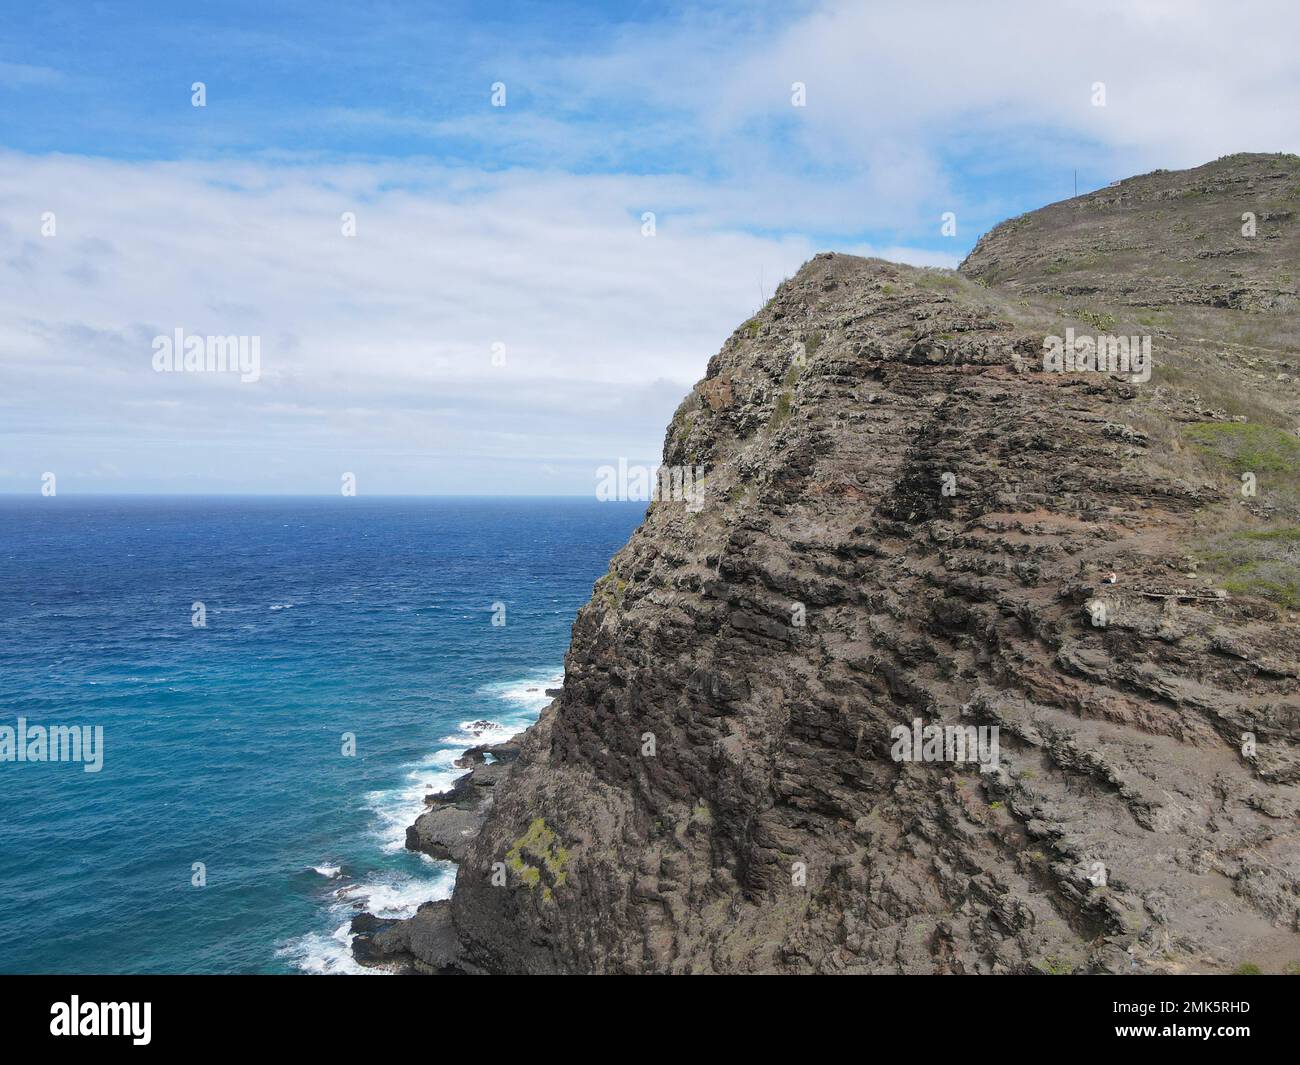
(395, 809)
(391, 894)
(326, 955)
(528, 695)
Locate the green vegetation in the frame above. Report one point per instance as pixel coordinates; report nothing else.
(1264, 563)
(684, 416)
(1247, 969)
(1097, 319)
(535, 850)
(1288, 535)
(1061, 265)
(611, 588)
(785, 399)
(1259, 563)
(743, 492)
(937, 277)
(781, 411)
(1249, 447)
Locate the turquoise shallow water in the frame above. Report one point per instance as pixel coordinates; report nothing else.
(222, 744)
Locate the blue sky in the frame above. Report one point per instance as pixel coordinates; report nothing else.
(498, 323)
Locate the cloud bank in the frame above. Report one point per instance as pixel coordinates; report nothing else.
(499, 322)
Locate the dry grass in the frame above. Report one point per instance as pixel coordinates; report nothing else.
(1263, 563)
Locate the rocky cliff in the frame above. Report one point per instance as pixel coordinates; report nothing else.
(908, 519)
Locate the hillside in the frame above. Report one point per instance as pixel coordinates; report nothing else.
(907, 517)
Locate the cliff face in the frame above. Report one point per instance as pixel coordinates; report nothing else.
(906, 517)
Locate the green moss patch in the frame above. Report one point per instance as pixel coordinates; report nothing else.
(781, 409)
(538, 850)
(611, 589)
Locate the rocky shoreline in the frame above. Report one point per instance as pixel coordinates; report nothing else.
(426, 942)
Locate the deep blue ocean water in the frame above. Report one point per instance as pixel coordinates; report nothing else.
(223, 744)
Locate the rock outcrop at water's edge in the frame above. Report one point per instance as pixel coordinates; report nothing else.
(907, 518)
(426, 942)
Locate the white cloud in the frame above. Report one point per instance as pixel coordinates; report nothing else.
(377, 350)
(899, 95)
(374, 348)
(1185, 81)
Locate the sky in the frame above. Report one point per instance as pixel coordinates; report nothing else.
(433, 216)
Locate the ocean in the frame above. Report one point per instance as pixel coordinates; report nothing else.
(227, 830)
